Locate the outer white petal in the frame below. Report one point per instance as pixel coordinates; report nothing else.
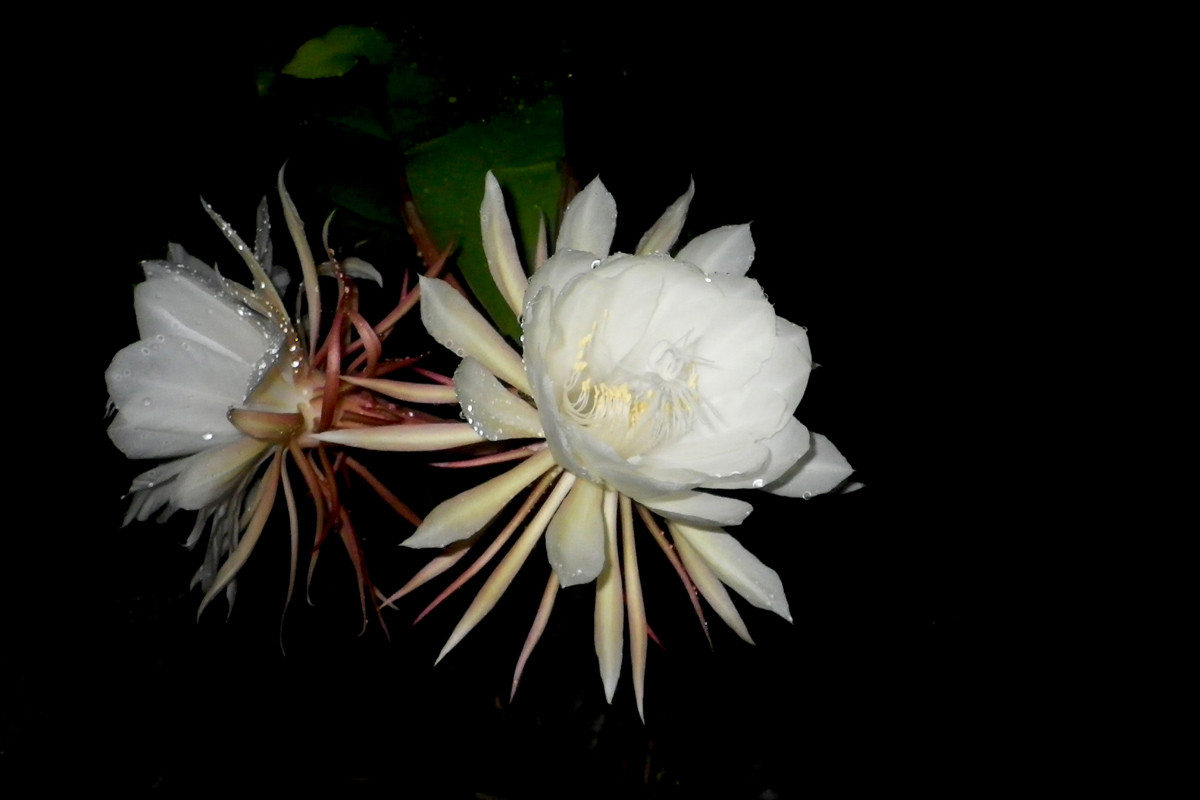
(786, 448)
(171, 303)
(589, 221)
(820, 470)
(211, 475)
(662, 234)
(737, 567)
(173, 396)
(575, 538)
(500, 247)
(451, 319)
(466, 513)
(728, 250)
(492, 410)
(700, 508)
(555, 274)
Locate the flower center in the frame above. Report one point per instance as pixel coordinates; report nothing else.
(634, 407)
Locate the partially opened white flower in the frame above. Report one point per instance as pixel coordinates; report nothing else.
(651, 379)
(222, 383)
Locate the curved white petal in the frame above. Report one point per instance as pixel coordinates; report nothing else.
(492, 410)
(728, 250)
(172, 396)
(211, 475)
(736, 566)
(589, 221)
(499, 246)
(785, 448)
(663, 233)
(819, 471)
(466, 513)
(575, 538)
(456, 325)
(174, 304)
(700, 508)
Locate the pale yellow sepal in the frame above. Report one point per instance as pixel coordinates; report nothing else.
(464, 514)
(404, 438)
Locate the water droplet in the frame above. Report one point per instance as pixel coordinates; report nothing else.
(758, 483)
(207, 436)
(146, 402)
(160, 337)
(807, 495)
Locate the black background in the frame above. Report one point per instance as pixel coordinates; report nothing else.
(876, 161)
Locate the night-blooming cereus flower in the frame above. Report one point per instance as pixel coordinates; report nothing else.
(222, 383)
(650, 379)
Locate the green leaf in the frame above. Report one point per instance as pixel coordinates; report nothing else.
(446, 175)
(336, 53)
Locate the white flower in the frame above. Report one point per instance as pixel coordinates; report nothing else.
(651, 378)
(221, 383)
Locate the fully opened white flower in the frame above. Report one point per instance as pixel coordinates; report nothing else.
(651, 379)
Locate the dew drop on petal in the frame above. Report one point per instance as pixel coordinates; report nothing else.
(146, 401)
(758, 483)
(207, 436)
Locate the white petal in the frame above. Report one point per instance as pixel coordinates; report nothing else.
(555, 274)
(737, 567)
(492, 410)
(173, 396)
(785, 448)
(451, 319)
(700, 508)
(464, 514)
(821, 469)
(142, 440)
(499, 246)
(589, 221)
(728, 250)
(575, 538)
(175, 305)
(211, 475)
(662, 234)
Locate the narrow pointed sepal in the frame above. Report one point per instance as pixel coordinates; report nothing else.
(498, 582)
(403, 438)
(736, 566)
(635, 606)
(609, 618)
(466, 513)
(589, 222)
(500, 247)
(665, 232)
(711, 588)
(457, 326)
